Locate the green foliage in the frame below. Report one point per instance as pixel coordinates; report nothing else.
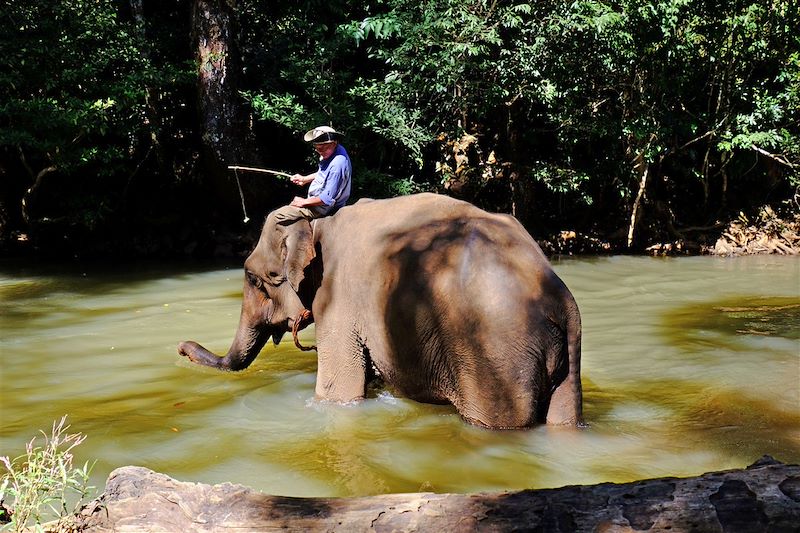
(572, 100)
(283, 109)
(43, 482)
(562, 180)
(674, 84)
(379, 27)
(380, 185)
(768, 122)
(60, 77)
(80, 102)
(388, 118)
(317, 74)
(304, 78)
(437, 59)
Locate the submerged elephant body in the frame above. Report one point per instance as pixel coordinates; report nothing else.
(450, 304)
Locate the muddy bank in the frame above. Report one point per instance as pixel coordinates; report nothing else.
(762, 497)
(766, 234)
(761, 234)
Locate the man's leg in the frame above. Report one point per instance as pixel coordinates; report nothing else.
(289, 213)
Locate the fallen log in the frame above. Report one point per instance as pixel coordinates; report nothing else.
(762, 497)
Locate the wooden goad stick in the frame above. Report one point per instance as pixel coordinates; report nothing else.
(236, 170)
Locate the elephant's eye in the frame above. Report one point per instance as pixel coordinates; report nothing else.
(274, 279)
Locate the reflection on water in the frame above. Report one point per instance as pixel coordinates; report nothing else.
(689, 365)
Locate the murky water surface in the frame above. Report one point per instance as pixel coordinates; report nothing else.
(689, 365)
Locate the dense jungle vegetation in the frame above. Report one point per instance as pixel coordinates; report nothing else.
(625, 123)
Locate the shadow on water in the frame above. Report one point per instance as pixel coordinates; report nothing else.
(721, 322)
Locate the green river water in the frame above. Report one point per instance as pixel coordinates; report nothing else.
(689, 365)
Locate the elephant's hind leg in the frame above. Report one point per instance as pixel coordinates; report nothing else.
(565, 403)
(495, 400)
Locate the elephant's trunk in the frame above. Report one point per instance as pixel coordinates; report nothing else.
(246, 346)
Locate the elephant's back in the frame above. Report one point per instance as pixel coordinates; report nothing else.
(402, 213)
(439, 245)
(423, 219)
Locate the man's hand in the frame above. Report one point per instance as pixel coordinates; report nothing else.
(306, 202)
(299, 179)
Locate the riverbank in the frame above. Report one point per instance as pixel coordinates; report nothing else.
(769, 234)
(765, 233)
(764, 496)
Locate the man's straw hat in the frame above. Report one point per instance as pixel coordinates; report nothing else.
(322, 134)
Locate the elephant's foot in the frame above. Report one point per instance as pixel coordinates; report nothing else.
(199, 355)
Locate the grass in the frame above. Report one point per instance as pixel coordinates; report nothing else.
(43, 482)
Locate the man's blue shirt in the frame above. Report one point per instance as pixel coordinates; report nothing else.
(332, 182)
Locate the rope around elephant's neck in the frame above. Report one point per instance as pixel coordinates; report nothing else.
(304, 315)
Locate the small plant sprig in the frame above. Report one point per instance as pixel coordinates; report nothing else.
(43, 480)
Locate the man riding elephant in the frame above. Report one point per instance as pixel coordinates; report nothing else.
(329, 187)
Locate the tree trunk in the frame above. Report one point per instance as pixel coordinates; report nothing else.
(521, 197)
(636, 209)
(763, 497)
(226, 123)
(521, 187)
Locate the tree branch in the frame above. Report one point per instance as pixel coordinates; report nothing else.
(775, 157)
(701, 137)
(31, 192)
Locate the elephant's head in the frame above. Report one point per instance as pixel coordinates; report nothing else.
(272, 298)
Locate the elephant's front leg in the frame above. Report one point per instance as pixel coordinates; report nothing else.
(341, 373)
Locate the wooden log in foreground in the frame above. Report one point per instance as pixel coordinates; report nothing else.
(762, 497)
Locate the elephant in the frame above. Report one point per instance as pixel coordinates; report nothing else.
(443, 301)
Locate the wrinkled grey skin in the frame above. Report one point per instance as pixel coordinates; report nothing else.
(450, 304)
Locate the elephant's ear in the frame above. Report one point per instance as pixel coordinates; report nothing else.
(269, 256)
(299, 251)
